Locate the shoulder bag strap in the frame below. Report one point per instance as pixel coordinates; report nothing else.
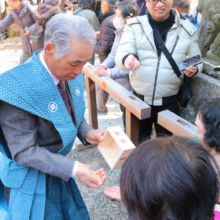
(78, 12)
(166, 52)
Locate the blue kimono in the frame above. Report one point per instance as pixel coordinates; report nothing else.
(30, 87)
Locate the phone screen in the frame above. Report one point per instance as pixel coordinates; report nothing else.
(192, 61)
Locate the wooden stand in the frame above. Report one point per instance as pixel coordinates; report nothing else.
(115, 147)
(136, 109)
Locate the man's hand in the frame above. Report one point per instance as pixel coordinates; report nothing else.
(97, 34)
(89, 178)
(190, 71)
(27, 33)
(113, 192)
(132, 63)
(69, 7)
(95, 136)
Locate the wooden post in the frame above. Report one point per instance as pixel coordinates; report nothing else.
(91, 97)
(132, 127)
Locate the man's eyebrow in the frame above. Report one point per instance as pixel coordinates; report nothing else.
(79, 61)
(76, 61)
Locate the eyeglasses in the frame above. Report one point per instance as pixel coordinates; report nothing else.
(154, 2)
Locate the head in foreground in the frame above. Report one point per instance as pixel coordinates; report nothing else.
(169, 179)
(68, 45)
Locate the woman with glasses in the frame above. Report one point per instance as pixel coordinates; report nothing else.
(151, 75)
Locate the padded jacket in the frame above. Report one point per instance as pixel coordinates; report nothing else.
(106, 37)
(155, 78)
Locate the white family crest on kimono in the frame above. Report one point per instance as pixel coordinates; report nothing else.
(52, 106)
(77, 91)
(24, 86)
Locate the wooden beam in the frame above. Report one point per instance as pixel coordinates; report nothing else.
(91, 97)
(135, 105)
(132, 127)
(79, 145)
(175, 124)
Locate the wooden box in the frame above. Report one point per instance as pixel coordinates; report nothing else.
(115, 147)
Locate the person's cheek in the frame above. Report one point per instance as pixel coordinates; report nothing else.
(201, 137)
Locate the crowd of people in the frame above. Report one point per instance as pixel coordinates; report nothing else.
(42, 110)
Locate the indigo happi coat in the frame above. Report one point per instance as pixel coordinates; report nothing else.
(30, 87)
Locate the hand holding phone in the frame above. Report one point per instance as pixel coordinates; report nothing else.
(189, 62)
(190, 65)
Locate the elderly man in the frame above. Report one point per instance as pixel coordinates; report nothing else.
(41, 113)
(151, 75)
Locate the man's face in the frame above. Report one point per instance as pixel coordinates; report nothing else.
(104, 6)
(70, 66)
(159, 11)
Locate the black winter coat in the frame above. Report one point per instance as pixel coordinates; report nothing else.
(106, 37)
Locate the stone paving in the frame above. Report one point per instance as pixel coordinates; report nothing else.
(100, 207)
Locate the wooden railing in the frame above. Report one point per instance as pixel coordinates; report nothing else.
(175, 124)
(136, 109)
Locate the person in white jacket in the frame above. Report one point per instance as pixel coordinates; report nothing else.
(151, 75)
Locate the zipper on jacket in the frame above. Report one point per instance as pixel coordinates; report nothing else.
(155, 81)
(157, 70)
(177, 38)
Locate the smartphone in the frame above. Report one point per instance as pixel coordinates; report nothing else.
(192, 61)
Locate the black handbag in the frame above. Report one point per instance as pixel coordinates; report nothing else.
(185, 93)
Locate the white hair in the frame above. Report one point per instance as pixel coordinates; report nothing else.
(63, 29)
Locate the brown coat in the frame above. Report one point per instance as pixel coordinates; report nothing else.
(26, 18)
(37, 29)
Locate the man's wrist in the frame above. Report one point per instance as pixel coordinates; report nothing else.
(125, 57)
(75, 169)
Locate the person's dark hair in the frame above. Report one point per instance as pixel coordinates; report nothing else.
(208, 111)
(87, 4)
(128, 8)
(169, 178)
(182, 6)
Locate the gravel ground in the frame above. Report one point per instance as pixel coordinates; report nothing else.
(100, 206)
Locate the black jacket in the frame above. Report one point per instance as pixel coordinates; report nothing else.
(107, 36)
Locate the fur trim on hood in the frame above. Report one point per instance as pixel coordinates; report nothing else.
(47, 14)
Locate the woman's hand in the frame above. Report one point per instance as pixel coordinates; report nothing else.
(113, 192)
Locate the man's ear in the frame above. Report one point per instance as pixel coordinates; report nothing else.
(49, 49)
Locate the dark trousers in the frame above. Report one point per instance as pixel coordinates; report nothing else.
(145, 126)
(123, 116)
